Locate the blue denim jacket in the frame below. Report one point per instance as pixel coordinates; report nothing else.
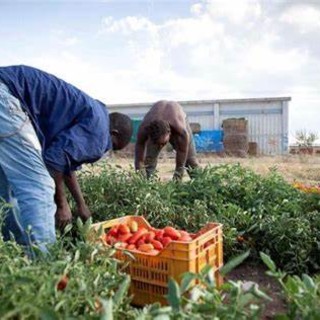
(72, 127)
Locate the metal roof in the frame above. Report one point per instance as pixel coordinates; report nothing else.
(192, 102)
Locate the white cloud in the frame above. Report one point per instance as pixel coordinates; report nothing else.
(222, 49)
(109, 87)
(234, 11)
(218, 49)
(71, 41)
(59, 36)
(192, 31)
(65, 65)
(196, 9)
(128, 25)
(263, 58)
(305, 18)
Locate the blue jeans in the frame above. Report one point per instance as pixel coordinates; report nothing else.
(25, 182)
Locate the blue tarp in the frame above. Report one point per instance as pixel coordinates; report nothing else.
(136, 124)
(209, 141)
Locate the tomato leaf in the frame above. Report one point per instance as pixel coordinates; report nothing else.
(174, 294)
(230, 265)
(268, 262)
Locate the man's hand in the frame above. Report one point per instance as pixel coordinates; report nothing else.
(178, 174)
(83, 212)
(63, 213)
(63, 216)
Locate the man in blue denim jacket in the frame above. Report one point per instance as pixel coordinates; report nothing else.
(48, 128)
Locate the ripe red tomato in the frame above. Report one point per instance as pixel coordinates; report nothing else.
(136, 236)
(150, 236)
(62, 284)
(124, 237)
(159, 233)
(166, 241)
(113, 231)
(172, 233)
(185, 238)
(157, 244)
(123, 229)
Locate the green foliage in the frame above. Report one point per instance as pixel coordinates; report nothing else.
(29, 288)
(266, 212)
(302, 293)
(258, 213)
(97, 289)
(199, 298)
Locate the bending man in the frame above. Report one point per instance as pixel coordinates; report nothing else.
(165, 122)
(48, 129)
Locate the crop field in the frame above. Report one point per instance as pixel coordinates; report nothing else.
(304, 168)
(271, 244)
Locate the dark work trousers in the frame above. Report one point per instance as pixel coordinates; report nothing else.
(153, 151)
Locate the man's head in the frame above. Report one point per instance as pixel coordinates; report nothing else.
(159, 132)
(120, 129)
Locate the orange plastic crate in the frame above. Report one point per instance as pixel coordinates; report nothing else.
(150, 274)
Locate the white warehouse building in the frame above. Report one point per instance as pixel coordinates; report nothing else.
(267, 118)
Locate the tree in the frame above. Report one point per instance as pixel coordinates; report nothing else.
(306, 139)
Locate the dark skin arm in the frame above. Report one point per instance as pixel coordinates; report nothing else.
(140, 148)
(182, 143)
(63, 214)
(71, 182)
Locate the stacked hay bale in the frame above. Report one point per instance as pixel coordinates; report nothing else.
(235, 137)
(253, 149)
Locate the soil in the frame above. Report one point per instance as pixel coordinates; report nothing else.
(257, 273)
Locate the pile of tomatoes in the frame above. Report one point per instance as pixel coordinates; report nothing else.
(132, 237)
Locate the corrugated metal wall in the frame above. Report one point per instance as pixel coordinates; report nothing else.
(267, 118)
(264, 123)
(203, 114)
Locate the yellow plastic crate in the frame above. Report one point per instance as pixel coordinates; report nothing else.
(150, 274)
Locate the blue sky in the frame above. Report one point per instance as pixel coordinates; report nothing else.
(141, 51)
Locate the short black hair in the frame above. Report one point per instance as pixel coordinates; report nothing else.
(157, 129)
(123, 125)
